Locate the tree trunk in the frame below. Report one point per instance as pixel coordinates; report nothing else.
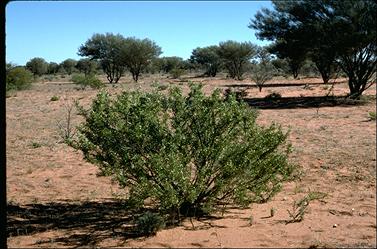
(295, 74)
(325, 77)
(135, 76)
(356, 87)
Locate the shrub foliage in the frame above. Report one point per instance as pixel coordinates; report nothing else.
(87, 80)
(18, 78)
(184, 153)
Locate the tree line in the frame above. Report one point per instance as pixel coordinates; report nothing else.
(114, 55)
(324, 37)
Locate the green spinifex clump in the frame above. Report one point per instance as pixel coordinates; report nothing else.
(184, 153)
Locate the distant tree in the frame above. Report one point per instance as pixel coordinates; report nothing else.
(69, 65)
(281, 66)
(309, 69)
(136, 54)
(155, 66)
(165, 65)
(53, 68)
(105, 48)
(173, 65)
(343, 30)
(189, 65)
(235, 55)
(207, 57)
(169, 63)
(38, 66)
(87, 66)
(262, 70)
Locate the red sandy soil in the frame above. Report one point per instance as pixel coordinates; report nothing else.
(50, 187)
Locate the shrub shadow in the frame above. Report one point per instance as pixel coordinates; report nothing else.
(82, 224)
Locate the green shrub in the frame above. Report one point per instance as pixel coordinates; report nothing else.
(18, 78)
(185, 154)
(87, 80)
(149, 223)
(177, 72)
(54, 98)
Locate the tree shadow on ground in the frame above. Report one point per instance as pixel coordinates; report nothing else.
(304, 102)
(82, 224)
(268, 85)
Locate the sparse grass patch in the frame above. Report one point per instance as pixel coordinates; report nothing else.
(35, 145)
(307, 87)
(66, 129)
(49, 77)
(299, 207)
(372, 116)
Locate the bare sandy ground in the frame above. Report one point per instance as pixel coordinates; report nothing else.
(56, 199)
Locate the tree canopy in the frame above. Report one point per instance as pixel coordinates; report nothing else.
(207, 57)
(69, 65)
(168, 63)
(86, 66)
(38, 66)
(329, 31)
(235, 55)
(136, 54)
(116, 53)
(105, 48)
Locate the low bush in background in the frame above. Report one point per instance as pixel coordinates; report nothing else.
(273, 96)
(54, 98)
(184, 154)
(87, 80)
(18, 78)
(238, 93)
(177, 73)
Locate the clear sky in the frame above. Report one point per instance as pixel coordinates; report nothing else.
(54, 30)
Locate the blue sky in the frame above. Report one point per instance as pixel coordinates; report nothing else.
(55, 30)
